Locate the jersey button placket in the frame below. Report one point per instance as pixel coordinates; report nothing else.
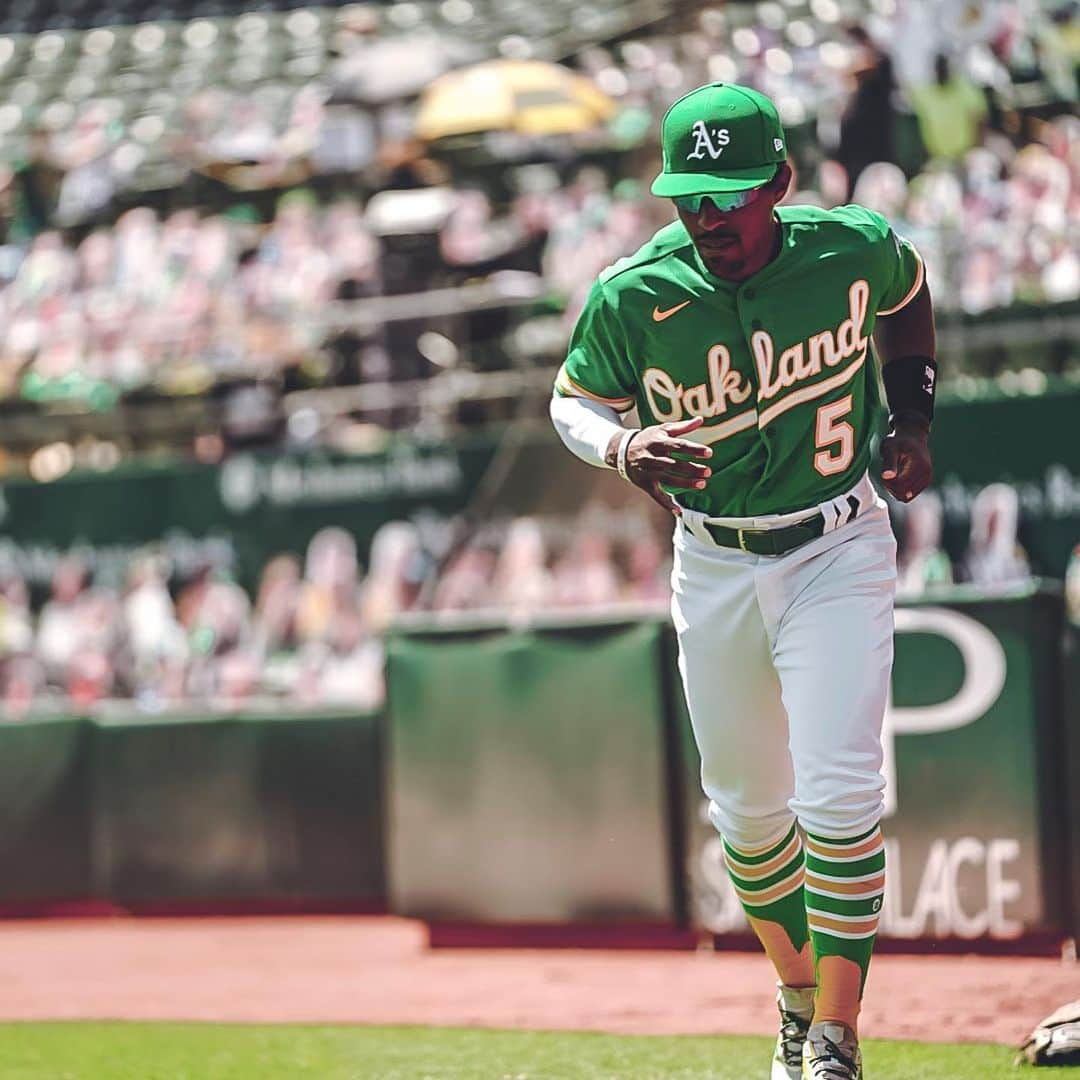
(754, 324)
(765, 435)
(745, 296)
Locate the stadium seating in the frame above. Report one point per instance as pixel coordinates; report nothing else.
(232, 104)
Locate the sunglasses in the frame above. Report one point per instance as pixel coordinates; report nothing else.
(724, 203)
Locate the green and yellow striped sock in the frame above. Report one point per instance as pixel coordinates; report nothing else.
(845, 884)
(769, 884)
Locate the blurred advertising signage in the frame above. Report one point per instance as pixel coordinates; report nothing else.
(965, 764)
(1042, 464)
(245, 482)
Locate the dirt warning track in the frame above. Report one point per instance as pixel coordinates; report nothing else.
(378, 970)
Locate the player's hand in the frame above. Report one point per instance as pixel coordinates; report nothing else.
(906, 468)
(649, 461)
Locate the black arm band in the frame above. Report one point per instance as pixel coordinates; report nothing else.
(909, 385)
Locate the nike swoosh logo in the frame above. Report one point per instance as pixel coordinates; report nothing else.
(660, 316)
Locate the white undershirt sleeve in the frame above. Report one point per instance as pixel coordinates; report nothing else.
(585, 426)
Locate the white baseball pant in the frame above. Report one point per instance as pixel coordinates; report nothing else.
(785, 662)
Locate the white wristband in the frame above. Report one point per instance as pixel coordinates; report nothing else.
(620, 454)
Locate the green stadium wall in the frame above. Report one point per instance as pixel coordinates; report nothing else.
(487, 786)
(253, 812)
(542, 775)
(528, 775)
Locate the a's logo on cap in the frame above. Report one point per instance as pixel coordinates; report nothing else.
(703, 141)
(778, 144)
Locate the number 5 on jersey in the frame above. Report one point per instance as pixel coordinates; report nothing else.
(835, 438)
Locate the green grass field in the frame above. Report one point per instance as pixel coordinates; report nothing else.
(122, 1051)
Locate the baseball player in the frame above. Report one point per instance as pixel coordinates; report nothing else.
(742, 333)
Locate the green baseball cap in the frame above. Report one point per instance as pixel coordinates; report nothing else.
(719, 138)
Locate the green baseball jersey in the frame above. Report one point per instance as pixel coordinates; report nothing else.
(780, 365)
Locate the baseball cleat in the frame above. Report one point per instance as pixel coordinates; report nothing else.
(831, 1052)
(796, 1005)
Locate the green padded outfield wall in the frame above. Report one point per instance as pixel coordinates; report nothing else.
(252, 808)
(975, 802)
(45, 836)
(526, 775)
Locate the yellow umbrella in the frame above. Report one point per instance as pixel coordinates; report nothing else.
(531, 97)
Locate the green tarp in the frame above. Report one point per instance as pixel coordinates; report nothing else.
(193, 809)
(526, 775)
(44, 820)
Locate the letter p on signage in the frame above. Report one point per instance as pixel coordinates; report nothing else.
(984, 677)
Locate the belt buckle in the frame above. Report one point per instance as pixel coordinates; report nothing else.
(742, 538)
